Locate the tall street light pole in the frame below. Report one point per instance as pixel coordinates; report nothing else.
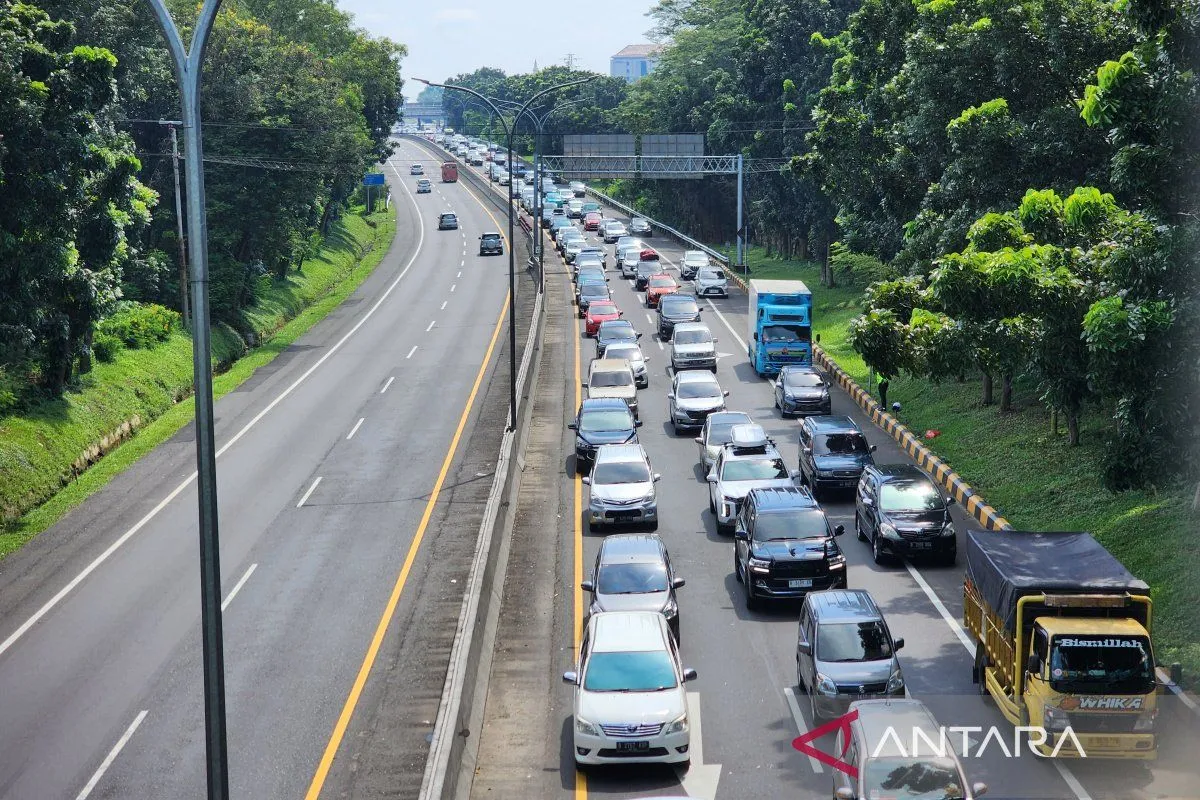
(512, 269)
(187, 63)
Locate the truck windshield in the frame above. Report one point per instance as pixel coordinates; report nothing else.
(785, 333)
(1110, 664)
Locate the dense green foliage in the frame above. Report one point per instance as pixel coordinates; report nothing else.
(297, 105)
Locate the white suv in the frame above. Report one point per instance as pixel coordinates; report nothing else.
(630, 704)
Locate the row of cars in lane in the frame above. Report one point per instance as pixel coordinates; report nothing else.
(784, 546)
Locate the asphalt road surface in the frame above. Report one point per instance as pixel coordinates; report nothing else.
(367, 436)
(745, 698)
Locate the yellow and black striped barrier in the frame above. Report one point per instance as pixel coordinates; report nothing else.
(950, 480)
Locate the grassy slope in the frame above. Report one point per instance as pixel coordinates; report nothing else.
(1031, 476)
(39, 446)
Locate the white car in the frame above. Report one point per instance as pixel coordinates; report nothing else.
(632, 353)
(578, 188)
(712, 281)
(749, 461)
(630, 704)
(693, 261)
(613, 231)
(718, 432)
(622, 487)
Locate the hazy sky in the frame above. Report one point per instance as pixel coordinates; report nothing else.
(446, 37)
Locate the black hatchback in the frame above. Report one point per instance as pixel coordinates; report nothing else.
(674, 309)
(900, 511)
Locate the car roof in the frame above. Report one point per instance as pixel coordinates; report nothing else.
(729, 416)
(614, 323)
(491, 233)
(695, 254)
(620, 452)
(679, 297)
(898, 472)
(844, 605)
(837, 423)
(695, 376)
(783, 498)
(690, 326)
(877, 717)
(628, 631)
(604, 404)
(805, 369)
(610, 365)
(447, 213)
(631, 548)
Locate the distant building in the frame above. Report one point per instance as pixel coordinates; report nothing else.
(635, 61)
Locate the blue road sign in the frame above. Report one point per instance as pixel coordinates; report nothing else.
(373, 179)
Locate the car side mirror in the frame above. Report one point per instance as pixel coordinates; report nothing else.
(620, 313)
(588, 586)
(949, 500)
(806, 448)
(839, 530)
(873, 448)
(639, 336)
(793, 473)
(754, 336)
(711, 478)
(689, 674)
(898, 644)
(741, 534)
(678, 583)
(699, 440)
(657, 477)
(844, 793)
(586, 480)
(637, 423)
(726, 393)
(571, 426)
(571, 677)
(1033, 664)
(804, 648)
(866, 501)
(979, 789)
(670, 395)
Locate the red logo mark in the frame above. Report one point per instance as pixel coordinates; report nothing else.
(842, 724)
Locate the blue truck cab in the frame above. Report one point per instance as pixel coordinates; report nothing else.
(780, 325)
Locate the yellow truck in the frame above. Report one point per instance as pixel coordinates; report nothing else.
(1062, 642)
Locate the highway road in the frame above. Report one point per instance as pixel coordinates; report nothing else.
(352, 472)
(745, 698)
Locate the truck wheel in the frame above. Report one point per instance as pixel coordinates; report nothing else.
(982, 662)
(752, 603)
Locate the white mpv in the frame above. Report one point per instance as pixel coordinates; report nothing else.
(630, 705)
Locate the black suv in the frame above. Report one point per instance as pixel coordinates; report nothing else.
(784, 546)
(901, 512)
(633, 573)
(833, 453)
(491, 244)
(674, 309)
(601, 420)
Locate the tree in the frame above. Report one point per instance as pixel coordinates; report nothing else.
(71, 206)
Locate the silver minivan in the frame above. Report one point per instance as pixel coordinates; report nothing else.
(622, 488)
(845, 652)
(896, 748)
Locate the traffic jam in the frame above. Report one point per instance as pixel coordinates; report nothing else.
(1057, 631)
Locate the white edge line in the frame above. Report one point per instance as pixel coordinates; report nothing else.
(799, 719)
(386, 385)
(696, 738)
(427, 330)
(354, 430)
(112, 755)
(453, 286)
(116, 545)
(444, 302)
(722, 317)
(942, 610)
(1072, 782)
(237, 587)
(308, 494)
(410, 352)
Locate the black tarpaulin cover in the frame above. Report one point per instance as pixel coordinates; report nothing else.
(1008, 565)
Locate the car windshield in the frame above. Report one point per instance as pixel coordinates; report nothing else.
(630, 672)
(712, 275)
(621, 472)
(648, 267)
(605, 421)
(802, 380)
(841, 444)
(754, 469)
(852, 641)
(624, 331)
(912, 778)
(662, 283)
(627, 352)
(609, 379)
(448, 217)
(695, 389)
(681, 305)
(594, 290)
(692, 337)
(795, 524)
(784, 333)
(600, 309)
(909, 496)
(632, 578)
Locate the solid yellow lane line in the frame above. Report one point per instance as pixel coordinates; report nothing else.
(580, 778)
(343, 721)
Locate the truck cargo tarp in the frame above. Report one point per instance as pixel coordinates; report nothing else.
(1008, 565)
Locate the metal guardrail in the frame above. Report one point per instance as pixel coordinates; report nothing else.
(721, 257)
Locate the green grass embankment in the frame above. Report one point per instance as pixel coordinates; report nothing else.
(1029, 474)
(39, 446)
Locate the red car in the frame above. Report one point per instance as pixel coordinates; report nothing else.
(592, 221)
(597, 313)
(657, 286)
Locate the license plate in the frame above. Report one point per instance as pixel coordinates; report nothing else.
(800, 583)
(1103, 742)
(921, 545)
(632, 747)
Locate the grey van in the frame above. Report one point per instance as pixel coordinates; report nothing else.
(845, 652)
(879, 744)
